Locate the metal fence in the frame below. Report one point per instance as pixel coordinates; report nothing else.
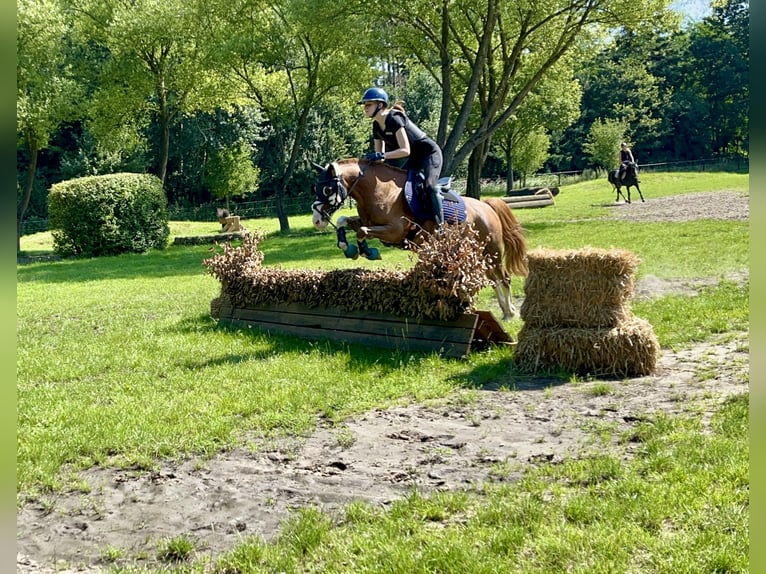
(558, 178)
(302, 204)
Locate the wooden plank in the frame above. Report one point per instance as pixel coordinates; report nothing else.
(532, 191)
(490, 332)
(390, 326)
(449, 339)
(524, 198)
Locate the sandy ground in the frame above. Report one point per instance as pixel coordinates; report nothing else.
(379, 456)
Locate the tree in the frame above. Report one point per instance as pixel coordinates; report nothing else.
(531, 152)
(496, 50)
(46, 92)
(287, 57)
(552, 105)
(231, 173)
(719, 72)
(603, 142)
(154, 67)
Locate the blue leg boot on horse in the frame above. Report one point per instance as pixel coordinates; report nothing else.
(350, 250)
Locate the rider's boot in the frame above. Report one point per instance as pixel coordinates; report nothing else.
(437, 206)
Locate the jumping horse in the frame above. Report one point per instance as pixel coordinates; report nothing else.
(630, 180)
(385, 213)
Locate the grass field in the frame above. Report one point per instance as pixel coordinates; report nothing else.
(120, 364)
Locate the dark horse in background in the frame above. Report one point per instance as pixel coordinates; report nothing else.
(630, 180)
(385, 213)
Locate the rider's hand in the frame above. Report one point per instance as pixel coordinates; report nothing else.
(374, 156)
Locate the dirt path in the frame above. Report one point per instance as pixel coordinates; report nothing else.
(473, 436)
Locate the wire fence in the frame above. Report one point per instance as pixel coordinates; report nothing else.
(301, 204)
(559, 178)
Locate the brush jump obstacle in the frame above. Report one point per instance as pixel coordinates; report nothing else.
(429, 308)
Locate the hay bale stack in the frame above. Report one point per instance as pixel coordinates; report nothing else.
(577, 315)
(589, 288)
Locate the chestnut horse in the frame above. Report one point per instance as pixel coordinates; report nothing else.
(385, 214)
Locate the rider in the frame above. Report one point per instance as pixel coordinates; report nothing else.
(626, 157)
(396, 136)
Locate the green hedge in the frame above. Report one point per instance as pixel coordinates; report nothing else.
(108, 215)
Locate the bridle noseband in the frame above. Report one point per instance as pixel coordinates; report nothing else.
(332, 193)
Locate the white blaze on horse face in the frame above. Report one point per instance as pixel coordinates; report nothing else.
(317, 220)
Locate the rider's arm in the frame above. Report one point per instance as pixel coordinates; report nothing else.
(404, 145)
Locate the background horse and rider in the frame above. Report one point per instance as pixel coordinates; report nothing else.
(385, 212)
(630, 180)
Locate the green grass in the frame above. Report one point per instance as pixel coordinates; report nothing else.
(119, 363)
(680, 505)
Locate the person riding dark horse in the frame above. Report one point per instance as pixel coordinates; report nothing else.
(628, 179)
(395, 136)
(626, 157)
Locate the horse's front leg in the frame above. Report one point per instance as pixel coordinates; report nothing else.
(394, 232)
(355, 223)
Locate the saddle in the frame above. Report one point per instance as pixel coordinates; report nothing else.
(454, 206)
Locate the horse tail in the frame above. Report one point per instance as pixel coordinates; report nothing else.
(514, 240)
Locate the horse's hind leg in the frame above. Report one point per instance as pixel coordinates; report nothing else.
(503, 293)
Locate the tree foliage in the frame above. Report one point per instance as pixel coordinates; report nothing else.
(603, 142)
(46, 91)
(160, 86)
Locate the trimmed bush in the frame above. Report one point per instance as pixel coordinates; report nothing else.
(108, 215)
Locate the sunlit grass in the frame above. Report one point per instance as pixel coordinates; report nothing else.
(119, 363)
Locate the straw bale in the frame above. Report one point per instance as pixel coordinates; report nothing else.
(589, 288)
(630, 349)
(593, 260)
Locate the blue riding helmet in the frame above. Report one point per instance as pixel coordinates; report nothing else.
(374, 95)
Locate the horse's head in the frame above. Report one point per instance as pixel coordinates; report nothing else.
(330, 194)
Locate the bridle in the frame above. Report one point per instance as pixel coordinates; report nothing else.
(333, 193)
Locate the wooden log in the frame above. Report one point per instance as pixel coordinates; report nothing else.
(448, 338)
(532, 191)
(525, 198)
(530, 203)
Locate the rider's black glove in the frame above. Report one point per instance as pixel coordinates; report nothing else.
(374, 156)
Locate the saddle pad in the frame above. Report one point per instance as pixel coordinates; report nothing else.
(454, 211)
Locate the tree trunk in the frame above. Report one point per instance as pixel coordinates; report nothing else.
(509, 177)
(473, 185)
(475, 164)
(164, 147)
(284, 222)
(22, 208)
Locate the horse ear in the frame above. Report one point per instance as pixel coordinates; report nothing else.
(317, 167)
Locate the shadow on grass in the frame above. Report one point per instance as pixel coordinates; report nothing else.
(497, 375)
(503, 375)
(173, 261)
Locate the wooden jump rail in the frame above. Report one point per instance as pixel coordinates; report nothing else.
(454, 338)
(541, 198)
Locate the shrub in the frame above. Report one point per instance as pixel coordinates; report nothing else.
(108, 214)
